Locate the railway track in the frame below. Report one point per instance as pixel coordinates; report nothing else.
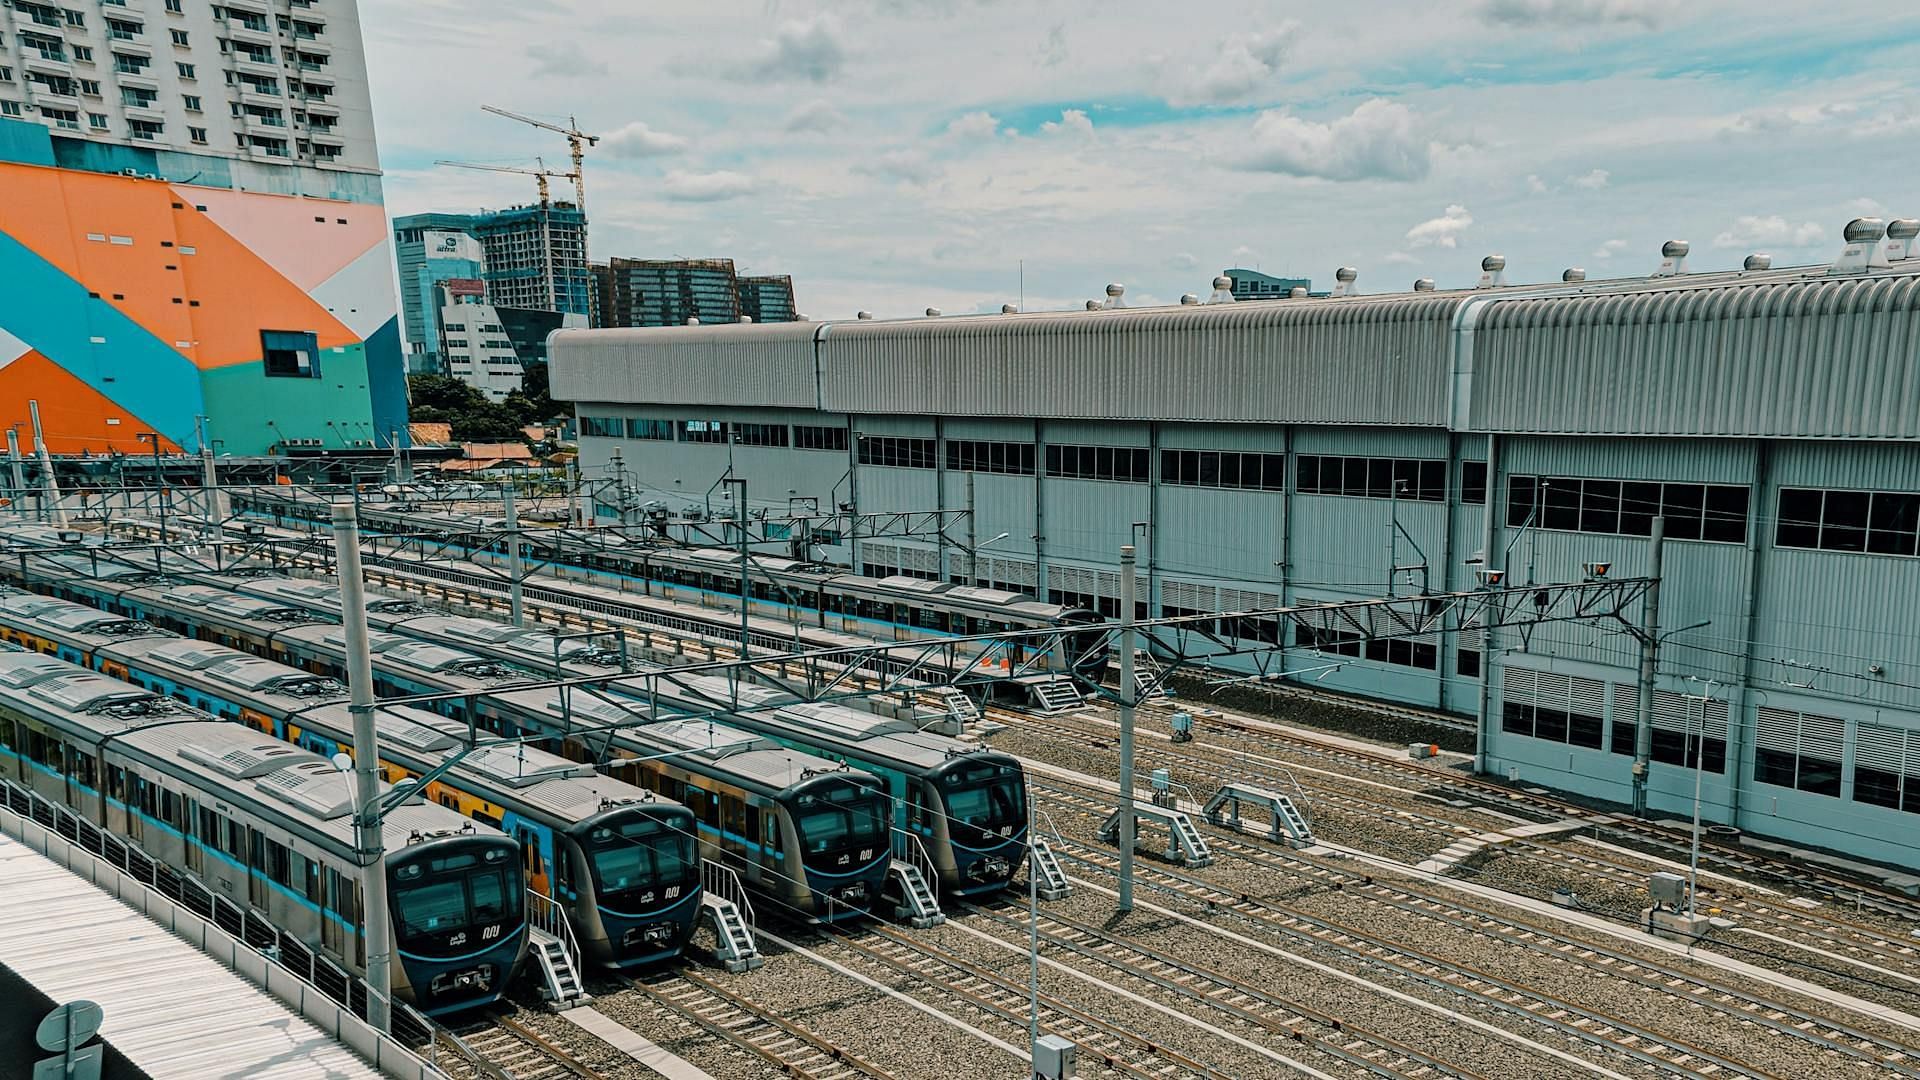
(502, 1048)
(1639, 974)
(777, 1041)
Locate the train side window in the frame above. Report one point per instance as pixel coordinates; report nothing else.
(7, 738)
(85, 769)
(753, 823)
(277, 864)
(233, 839)
(734, 815)
(562, 865)
(146, 797)
(170, 807)
(117, 782)
(311, 882)
(209, 827)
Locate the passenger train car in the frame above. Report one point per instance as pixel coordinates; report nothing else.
(828, 889)
(823, 594)
(619, 859)
(268, 826)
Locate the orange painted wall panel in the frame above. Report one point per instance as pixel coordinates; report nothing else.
(76, 417)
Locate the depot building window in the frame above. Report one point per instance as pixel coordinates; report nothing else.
(1713, 512)
(290, 354)
(1876, 522)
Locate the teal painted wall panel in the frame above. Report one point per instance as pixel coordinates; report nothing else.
(25, 144)
(253, 412)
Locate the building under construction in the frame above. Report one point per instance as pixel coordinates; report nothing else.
(672, 292)
(1315, 450)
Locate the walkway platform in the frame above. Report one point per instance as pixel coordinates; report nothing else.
(1459, 850)
(170, 1009)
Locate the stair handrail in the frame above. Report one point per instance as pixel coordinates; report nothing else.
(546, 913)
(914, 854)
(1300, 800)
(721, 881)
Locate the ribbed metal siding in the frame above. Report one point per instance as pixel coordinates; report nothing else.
(750, 365)
(1362, 361)
(1825, 358)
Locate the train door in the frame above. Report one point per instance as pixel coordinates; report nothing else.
(257, 891)
(196, 851)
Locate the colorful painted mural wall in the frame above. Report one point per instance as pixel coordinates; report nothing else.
(134, 305)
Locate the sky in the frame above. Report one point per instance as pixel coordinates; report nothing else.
(894, 155)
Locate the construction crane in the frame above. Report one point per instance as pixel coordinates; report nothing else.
(540, 176)
(577, 143)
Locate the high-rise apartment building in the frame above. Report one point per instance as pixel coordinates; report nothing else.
(767, 298)
(668, 292)
(431, 249)
(191, 225)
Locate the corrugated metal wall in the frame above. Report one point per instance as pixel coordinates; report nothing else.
(1830, 358)
(754, 364)
(1369, 361)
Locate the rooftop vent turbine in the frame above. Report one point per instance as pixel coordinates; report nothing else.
(746, 318)
(1344, 279)
(1862, 252)
(1573, 273)
(693, 320)
(1094, 305)
(1759, 260)
(1900, 239)
(863, 316)
(1222, 290)
(1115, 292)
(1189, 300)
(1424, 284)
(1298, 292)
(1009, 309)
(1673, 258)
(933, 313)
(1493, 272)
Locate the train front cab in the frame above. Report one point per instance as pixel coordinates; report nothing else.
(630, 879)
(974, 820)
(841, 826)
(459, 920)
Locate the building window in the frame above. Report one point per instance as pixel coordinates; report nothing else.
(6, 74)
(974, 455)
(1405, 652)
(601, 427)
(1711, 512)
(1876, 522)
(291, 354)
(75, 18)
(1558, 708)
(1473, 482)
(1886, 767)
(1422, 479)
(121, 30)
(128, 64)
(173, 7)
(9, 108)
(146, 130)
(179, 37)
(64, 118)
(83, 54)
(97, 121)
(190, 102)
(137, 98)
(185, 70)
(806, 437)
(1798, 750)
(896, 451)
(761, 434)
(198, 135)
(705, 431)
(90, 87)
(1224, 469)
(1128, 464)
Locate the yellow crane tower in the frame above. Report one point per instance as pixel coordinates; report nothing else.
(577, 143)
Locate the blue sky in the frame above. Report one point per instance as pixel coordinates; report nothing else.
(899, 154)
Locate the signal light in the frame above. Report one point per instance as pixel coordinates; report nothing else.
(1596, 569)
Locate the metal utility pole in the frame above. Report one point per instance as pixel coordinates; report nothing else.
(369, 843)
(1649, 663)
(210, 480)
(159, 485)
(13, 465)
(1033, 937)
(514, 576)
(404, 452)
(1699, 769)
(1127, 689)
(47, 479)
(740, 525)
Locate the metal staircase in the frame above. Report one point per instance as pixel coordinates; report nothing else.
(1056, 695)
(725, 907)
(911, 873)
(1148, 679)
(556, 951)
(958, 705)
(1050, 881)
(1185, 845)
(1290, 825)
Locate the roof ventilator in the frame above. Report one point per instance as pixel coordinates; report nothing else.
(863, 316)
(1573, 273)
(1493, 272)
(1189, 300)
(1862, 252)
(1673, 258)
(1344, 279)
(1759, 260)
(1009, 309)
(1222, 290)
(746, 319)
(693, 320)
(1298, 292)
(1115, 292)
(1900, 236)
(1424, 284)
(1095, 305)
(933, 313)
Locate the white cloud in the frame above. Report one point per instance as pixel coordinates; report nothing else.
(1245, 65)
(1053, 51)
(1770, 231)
(974, 125)
(1072, 122)
(684, 186)
(800, 49)
(907, 166)
(1536, 185)
(1609, 248)
(1571, 13)
(1375, 141)
(1400, 257)
(563, 60)
(1443, 231)
(815, 115)
(1183, 261)
(1592, 181)
(639, 140)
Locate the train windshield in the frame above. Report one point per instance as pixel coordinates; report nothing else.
(840, 818)
(639, 856)
(455, 900)
(989, 797)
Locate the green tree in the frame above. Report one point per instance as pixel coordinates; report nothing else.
(439, 399)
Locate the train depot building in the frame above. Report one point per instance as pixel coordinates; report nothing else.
(1309, 450)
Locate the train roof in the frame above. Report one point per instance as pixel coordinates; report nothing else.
(403, 649)
(227, 603)
(319, 595)
(715, 747)
(82, 701)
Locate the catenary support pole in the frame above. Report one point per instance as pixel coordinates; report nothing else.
(1649, 664)
(515, 579)
(47, 479)
(740, 524)
(16, 473)
(1494, 506)
(1033, 939)
(216, 509)
(368, 841)
(1127, 690)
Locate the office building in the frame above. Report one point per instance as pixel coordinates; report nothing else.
(488, 346)
(1306, 451)
(669, 292)
(191, 205)
(528, 258)
(432, 249)
(1254, 285)
(767, 298)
